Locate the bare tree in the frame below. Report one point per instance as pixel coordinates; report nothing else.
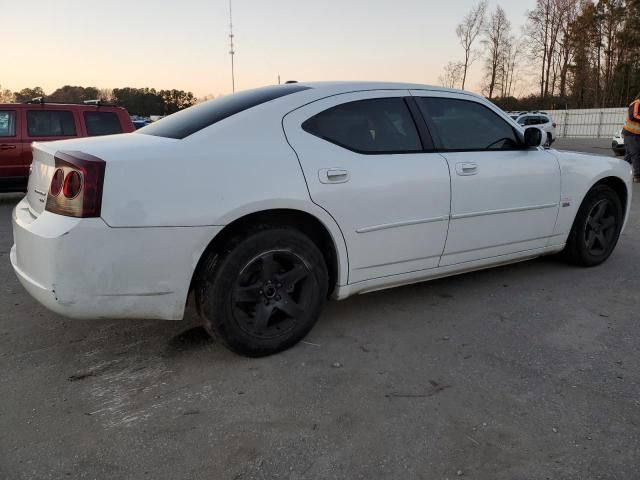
(468, 31)
(6, 95)
(543, 29)
(509, 64)
(496, 39)
(452, 75)
(566, 42)
(105, 94)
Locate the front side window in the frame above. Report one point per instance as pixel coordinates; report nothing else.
(465, 125)
(50, 123)
(7, 124)
(102, 123)
(378, 125)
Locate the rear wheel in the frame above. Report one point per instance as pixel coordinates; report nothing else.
(596, 229)
(264, 292)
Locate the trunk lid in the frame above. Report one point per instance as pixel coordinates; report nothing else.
(110, 148)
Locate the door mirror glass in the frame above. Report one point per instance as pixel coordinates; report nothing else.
(533, 137)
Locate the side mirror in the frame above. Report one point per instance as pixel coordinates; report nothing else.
(533, 137)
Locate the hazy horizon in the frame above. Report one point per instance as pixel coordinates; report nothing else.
(152, 44)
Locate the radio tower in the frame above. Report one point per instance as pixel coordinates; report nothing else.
(231, 51)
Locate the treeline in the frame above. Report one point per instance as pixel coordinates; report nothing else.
(571, 54)
(138, 101)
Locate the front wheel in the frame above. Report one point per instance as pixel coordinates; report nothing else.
(263, 292)
(596, 228)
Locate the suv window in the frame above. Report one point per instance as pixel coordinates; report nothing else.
(7, 124)
(466, 125)
(378, 125)
(102, 123)
(50, 123)
(193, 119)
(544, 120)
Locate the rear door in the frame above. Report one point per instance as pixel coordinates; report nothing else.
(505, 197)
(368, 165)
(10, 146)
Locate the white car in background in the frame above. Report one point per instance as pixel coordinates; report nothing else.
(266, 202)
(540, 120)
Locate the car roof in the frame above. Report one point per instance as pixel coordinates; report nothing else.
(57, 106)
(349, 86)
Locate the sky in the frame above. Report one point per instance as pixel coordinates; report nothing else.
(184, 44)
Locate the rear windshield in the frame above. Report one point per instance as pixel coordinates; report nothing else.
(193, 119)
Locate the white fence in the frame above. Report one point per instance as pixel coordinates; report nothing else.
(588, 123)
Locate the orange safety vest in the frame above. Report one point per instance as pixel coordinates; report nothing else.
(632, 124)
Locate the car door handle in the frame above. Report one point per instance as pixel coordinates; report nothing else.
(4, 146)
(467, 168)
(333, 175)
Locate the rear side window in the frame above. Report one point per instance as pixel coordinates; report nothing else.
(50, 123)
(102, 123)
(193, 119)
(378, 125)
(7, 124)
(467, 126)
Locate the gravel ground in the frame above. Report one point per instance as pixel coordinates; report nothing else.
(529, 371)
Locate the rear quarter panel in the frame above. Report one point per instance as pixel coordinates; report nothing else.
(206, 179)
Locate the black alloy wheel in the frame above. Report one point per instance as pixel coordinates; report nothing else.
(271, 292)
(263, 290)
(596, 228)
(601, 227)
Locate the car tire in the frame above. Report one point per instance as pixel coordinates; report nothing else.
(264, 291)
(596, 228)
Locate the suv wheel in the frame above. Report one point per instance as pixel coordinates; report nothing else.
(263, 292)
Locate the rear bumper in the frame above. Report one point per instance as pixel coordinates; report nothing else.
(82, 268)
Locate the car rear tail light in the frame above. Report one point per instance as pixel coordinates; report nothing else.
(56, 182)
(554, 124)
(79, 177)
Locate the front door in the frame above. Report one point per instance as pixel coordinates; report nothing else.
(505, 197)
(366, 164)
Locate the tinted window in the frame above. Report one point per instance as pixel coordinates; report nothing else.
(50, 123)
(188, 121)
(102, 123)
(7, 124)
(380, 125)
(544, 120)
(465, 125)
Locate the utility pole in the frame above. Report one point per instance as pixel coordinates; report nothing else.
(231, 51)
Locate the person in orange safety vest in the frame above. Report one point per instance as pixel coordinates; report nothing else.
(631, 132)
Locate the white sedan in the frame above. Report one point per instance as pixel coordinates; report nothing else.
(266, 202)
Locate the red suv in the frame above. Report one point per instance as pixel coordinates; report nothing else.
(21, 124)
